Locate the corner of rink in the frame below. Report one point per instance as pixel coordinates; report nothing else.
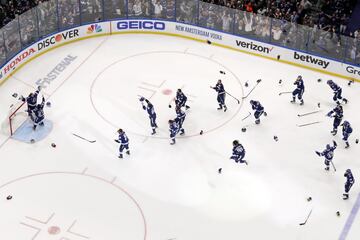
(25, 132)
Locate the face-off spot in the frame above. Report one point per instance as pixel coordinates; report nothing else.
(53, 230)
(167, 91)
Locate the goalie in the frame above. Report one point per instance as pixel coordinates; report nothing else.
(37, 114)
(31, 100)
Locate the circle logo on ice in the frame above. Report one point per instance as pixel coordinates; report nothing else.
(157, 76)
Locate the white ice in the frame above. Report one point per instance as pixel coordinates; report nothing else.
(81, 190)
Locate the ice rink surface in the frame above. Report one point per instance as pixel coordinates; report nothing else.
(81, 190)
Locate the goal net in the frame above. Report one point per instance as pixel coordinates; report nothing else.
(16, 116)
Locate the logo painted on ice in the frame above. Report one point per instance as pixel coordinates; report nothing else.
(94, 28)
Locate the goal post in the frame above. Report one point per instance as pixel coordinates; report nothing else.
(16, 116)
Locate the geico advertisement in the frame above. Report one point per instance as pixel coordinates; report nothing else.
(139, 25)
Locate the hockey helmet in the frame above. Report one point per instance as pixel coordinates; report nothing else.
(328, 146)
(235, 142)
(120, 130)
(329, 82)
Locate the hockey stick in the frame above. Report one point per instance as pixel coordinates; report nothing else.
(90, 141)
(246, 116)
(307, 124)
(238, 101)
(280, 93)
(305, 114)
(257, 83)
(303, 223)
(332, 164)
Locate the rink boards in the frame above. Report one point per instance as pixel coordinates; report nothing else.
(220, 39)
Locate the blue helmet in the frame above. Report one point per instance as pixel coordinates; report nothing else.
(329, 82)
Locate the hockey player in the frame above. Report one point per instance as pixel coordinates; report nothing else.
(337, 114)
(346, 130)
(31, 100)
(259, 110)
(337, 92)
(328, 153)
(151, 111)
(219, 88)
(180, 118)
(174, 129)
(299, 91)
(238, 152)
(37, 114)
(348, 184)
(124, 143)
(180, 100)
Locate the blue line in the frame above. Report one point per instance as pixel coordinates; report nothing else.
(350, 219)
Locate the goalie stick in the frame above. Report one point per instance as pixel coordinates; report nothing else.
(303, 223)
(90, 141)
(309, 113)
(257, 83)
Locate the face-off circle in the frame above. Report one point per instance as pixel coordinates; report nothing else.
(70, 206)
(157, 76)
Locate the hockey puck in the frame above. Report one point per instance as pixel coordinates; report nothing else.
(246, 84)
(9, 197)
(243, 129)
(319, 80)
(48, 104)
(309, 199)
(208, 41)
(32, 140)
(201, 132)
(338, 213)
(53, 145)
(219, 170)
(169, 106)
(280, 81)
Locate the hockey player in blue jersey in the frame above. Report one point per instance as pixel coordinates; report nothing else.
(31, 100)
(180, 118)
(349, 183)
(174, 129)
(259, 110)
(37, 114)
(328, 153)
(180, 100)
(299, 91)
(346, 130)
(124, 143)
(337, 92)
(337, 114)
(238, 152)
(219, 88)
(151, 111)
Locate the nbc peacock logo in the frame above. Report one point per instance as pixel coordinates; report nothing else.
(94, 28)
